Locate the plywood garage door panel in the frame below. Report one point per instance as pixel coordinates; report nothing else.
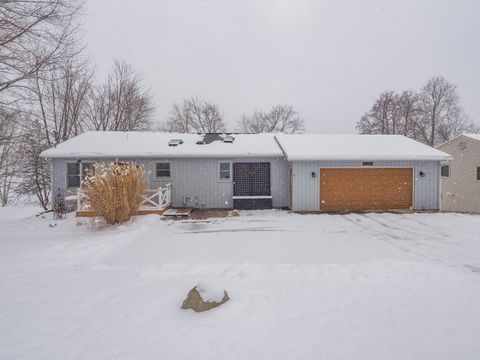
(365, 189)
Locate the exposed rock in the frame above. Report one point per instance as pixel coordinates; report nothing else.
(201, 299)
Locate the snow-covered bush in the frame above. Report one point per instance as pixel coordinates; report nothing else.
(114, 190)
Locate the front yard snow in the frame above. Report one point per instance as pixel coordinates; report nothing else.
(374, 286)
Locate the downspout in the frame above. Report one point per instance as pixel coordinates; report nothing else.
(281, 148)
(440, 196)
(290, 178)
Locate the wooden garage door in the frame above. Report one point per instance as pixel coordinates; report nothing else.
(365, 189)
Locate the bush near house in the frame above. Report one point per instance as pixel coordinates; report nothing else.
(114, 190)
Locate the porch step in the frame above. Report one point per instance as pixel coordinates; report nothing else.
(178, 212)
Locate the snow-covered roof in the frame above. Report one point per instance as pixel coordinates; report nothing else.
(356, 147)
(156, 144)
(97, 144)
(473, 136)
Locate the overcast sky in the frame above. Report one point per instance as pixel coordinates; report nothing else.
(328, 59)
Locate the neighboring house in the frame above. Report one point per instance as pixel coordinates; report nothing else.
(302, 172)
(461, 174)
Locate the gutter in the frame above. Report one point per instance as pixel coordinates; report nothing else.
(372, 159)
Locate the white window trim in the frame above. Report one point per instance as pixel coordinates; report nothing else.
(66, 173)
(80, 168)
(169, 167)
(219, 179)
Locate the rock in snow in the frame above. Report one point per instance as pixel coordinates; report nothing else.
(204, 297)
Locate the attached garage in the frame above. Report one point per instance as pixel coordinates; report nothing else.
(353, 189)
(341, 173)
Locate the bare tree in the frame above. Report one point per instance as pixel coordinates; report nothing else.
(441, 115)
(8, 155)
(281, 118)
(34, 34)
(384, 116)
(33, 170)
(408, 111)
(195, 115)
(431, 116)
(121, 103)
(59, 100)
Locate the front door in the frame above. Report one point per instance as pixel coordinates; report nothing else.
(251, 186)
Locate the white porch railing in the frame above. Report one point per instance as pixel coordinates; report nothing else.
(157, 199)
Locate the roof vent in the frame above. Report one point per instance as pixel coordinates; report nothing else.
(228, 139)
(175, 142)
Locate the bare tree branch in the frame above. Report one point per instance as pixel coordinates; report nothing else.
(281, 118)
(121, 103)
(194, 115)
(431, 116)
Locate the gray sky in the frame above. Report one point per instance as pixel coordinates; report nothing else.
(328, 59)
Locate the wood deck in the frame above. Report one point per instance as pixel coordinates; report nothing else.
(91, 213)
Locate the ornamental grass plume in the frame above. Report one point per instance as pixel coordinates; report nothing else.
(114, 190)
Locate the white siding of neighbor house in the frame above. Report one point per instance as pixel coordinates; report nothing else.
(461, 190)
(195, 178)
(306, 189)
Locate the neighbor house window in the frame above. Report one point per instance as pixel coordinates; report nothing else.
(445, 170)
(478, 172)
(163, 170)
(76, 172)
(225, 172)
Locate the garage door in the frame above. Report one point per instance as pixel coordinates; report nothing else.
(365, 189)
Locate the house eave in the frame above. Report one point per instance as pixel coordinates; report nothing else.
(368, 158)
(154, 156)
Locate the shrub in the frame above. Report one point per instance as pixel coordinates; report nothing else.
(114, 190)
(59, 207)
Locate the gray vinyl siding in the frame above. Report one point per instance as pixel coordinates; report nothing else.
(194, 178)
(197, 179)
(306, 189)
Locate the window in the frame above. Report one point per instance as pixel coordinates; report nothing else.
(163, 170)
(445, 170)
(73, 175)
(225, 170)
(74, 170)
(478, 172)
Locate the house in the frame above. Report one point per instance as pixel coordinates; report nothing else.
(461, 175)
(304, 172)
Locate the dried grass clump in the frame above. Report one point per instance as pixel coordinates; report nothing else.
(114, 191)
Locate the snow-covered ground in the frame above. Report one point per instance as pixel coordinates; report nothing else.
(375, 286)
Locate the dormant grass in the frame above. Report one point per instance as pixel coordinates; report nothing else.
(114, 191)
